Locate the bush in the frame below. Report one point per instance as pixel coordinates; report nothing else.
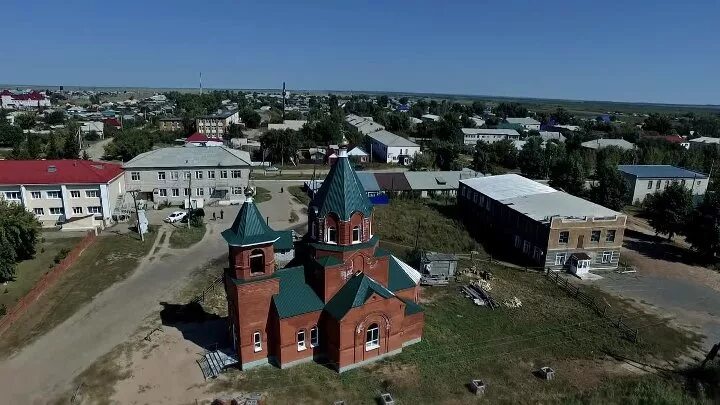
(62, 254)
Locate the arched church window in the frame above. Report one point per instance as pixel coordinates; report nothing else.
(372, 337)
(356, 234)
(332, 234)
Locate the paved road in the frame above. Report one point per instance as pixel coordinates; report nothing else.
(47, 366)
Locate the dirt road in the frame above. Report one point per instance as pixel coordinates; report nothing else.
(97, 149)
(48, 365)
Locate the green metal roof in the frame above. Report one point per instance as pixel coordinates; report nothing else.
(354, 294)
(285, 242)
(296, 297)
(327, 261)
(249, 228)
(411, 307)
(397, 277)
(342, 193)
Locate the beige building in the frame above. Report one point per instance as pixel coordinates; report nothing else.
(170, 124)
(178, 174)
(215, 125)
(549, 228)
(58, 191)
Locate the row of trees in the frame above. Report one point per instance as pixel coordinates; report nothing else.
(672, 212)
(19, 231)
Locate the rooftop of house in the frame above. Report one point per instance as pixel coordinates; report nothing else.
(439, 180)
(489, 131)
(188, 157)
(219, 115)
(197, 137)
(69, 171)
(523, 121)
(535, 200)
(705, 139)
(603, 143)
(660, 172)
(389, 139)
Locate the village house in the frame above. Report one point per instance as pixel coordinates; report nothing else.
(198, 139)
(550, 228)
(215, 125)
(649, 179)
(390, 148)
(702, 142)
(526, 123)
(182, 174)
(295, 125)
(598, 144)
(346, 302)
(364, 125)
(58, 191)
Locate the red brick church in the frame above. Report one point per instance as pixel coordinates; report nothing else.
(342, 300)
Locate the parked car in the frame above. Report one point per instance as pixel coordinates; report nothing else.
(197, 212)
(176, 216)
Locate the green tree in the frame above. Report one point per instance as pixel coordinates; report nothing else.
(19, 230)
(95, 99)
(562, 117)
(611, 189)
(53, 148)
(383, 101)
(505, 110)
(55, 118)
(478, 107)
(71, 149)
(657, 122)
(668, 211)
(425, 160)
(280, 145)
(25, 121)
(532, 159)
(10, 135)
(703, 228)
(34, 146)
(233, 131)
(404, 100)
(569, 174)
(250, 118)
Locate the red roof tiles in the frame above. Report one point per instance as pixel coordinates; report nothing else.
(70, 171)
(197, 137)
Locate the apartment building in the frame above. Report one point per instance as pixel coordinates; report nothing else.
(649, 179)
(551, 228)
(170, 123)
(215, 125)
(472, 136)
(178, 174)
(58, 191)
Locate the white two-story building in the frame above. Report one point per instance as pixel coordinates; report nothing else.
(58, 191)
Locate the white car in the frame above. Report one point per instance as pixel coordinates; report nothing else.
(176, 216)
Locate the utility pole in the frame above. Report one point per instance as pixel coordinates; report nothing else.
(201, 83)
(283, 97)
(137, 214)
(189, 210)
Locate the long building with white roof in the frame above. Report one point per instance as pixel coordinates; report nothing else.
(550, 228)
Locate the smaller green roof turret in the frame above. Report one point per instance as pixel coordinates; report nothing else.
(249, 227)
(341, 192)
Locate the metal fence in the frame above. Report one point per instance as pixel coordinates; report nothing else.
(600, 310)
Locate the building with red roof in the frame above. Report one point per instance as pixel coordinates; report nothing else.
(58, 191)
(198, 139)
(33, 99)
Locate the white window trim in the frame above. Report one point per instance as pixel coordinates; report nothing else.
(607, 254)
(559, 262)
(314, 342)
(257, 342)
(34, 193)
(77, 210)
(95, 194)
(327, 235)
(300, 343)
(35, 211)
(133, 175)
(374, 342)
(359, 233)
(54, 198)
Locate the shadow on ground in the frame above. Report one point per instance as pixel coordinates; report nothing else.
(659, 248)
(206, 330)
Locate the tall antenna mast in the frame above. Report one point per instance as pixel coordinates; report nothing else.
(201, 83)
(283, 96)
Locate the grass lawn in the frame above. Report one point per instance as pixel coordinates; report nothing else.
(261, 195)
(29, 271)
(292, 176)
(183, 237)
(300, 196)
(433, 224)
(109, 260)
(463, 341)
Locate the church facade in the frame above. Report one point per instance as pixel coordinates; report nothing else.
(342, 300)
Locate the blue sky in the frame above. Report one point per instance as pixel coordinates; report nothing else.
(655, 51)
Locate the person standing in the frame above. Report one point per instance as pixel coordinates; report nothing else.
(221, 214)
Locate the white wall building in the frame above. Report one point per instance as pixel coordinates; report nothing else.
(57, 191)
(649, 179)
(365, 125)
(177, 174)
(471, 136)
(527, 123)
(390, 148)
(17, 101)
(215, 125)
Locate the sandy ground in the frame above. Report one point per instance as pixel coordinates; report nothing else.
(47, 366)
